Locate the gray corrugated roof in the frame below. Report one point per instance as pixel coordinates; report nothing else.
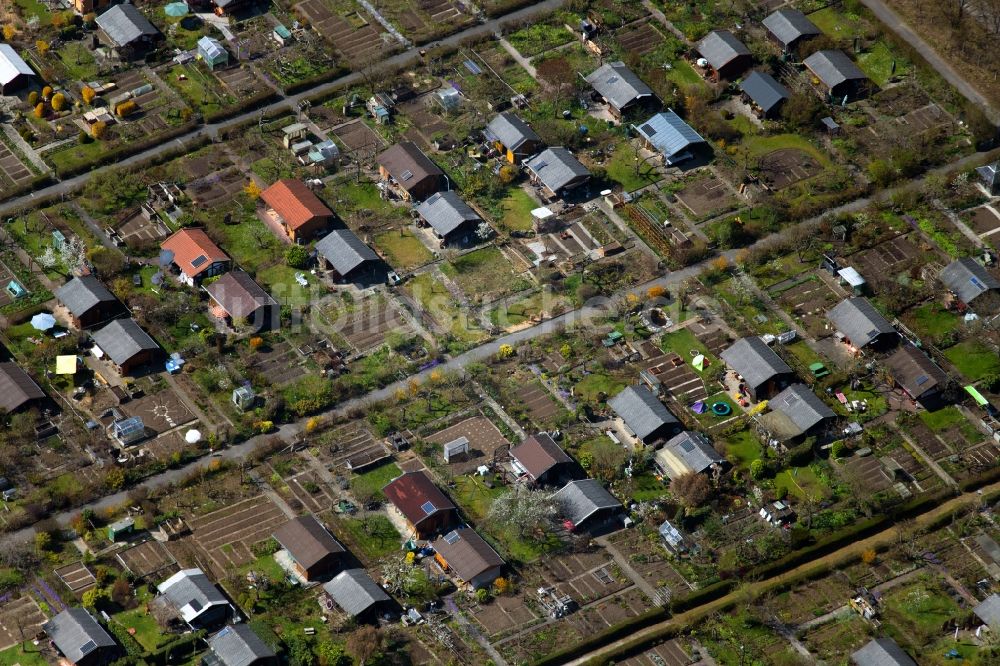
(721, 47)
(81, 294)
(989, 610)
(752, 359)
(801, 406)
(75, 629)
(511, 131)
(122, 339)
(556, 168)
(695, 449)
(764, 90)
(12, 65)
(618, 84)
(788, 25)
(238, 645)
(355, 591)
(858, 319)
(344, 250)
(17, 387)
(581, 499)
(191, 593)
(990, 174)
(641, 411)
(833, 67)
(668, 133)
(446, 212)
(882, 652)
(123, 24)
(968, 279)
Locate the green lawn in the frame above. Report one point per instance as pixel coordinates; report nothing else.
(709, 419)
(437, 301)
(682, 342)
(646, 487)
(802, 482)
(622, 169)
(943, 419)
(877, 64)
(537, 304)
(743, 447)
(973, 359)
(484, 272)
(683, 74)
(591, 386)
(370, 483)
(279, 280)
(517, 207)
(835, 24)
(16, 654)
(361, 196)
(78, 61)
(403, 250)
(919, 610)
(804, 353)
(74, 155)
(534, 39)
(147, 630)
(474, 497)
(932, 320)
(199, 88)
(35, 8)
(267, 565)
(758, 146)
(374, 535)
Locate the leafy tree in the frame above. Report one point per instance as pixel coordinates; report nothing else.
(501, 586)
(869, 556)
(505, 351)
(47, 92)
(299, 650)
(99, 129)
(9, 32)
(39, 110)
(692, 489)
(607, 460)
(297, 256)
(43, 48)
(33, 98)
(114, 479)
(838, 449)
(88, 94)
(43, 542)
(757, 469)
(58, 102)
(94, 597)
(332, 654)
(121, 592)
(482, 595)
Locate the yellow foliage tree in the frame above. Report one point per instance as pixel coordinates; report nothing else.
(58, 20)
(98, 129)
(88, 94)
(720, 263)
(46, 92)
(869, 556)
(501, 586)
(58, 102)
(312, 424)
(43, 48)
(252, 189)
(656, 291)
(411, 558)
(505, 351)
(40, 110)
(436, 376)
(9, 32)
(256, 342)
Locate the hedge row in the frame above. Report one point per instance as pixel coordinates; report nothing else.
(128, 150)
(327, 76)
(250, 104)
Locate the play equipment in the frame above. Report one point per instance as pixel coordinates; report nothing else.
(721, 408)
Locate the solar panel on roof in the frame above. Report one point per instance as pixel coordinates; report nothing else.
(88, 647)
(873, 333)
(428, 507)
(975, 281)
(406, 175)
(195, 604)
(199, 260)
(648, 129)
(451, 537)
(922, 379)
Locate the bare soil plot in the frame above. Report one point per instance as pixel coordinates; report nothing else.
(241, 81)
(540, 404)
(484, 439)
(706, 195)
(281, 363)
(925, 118)
(710, 335)
(649, 559)
(21, 614)
(345, 441)
(983, 220)
(681, 381)
(885, 258)
(355, 37)
(310, 490)
(504, 614)
(361, 142)
(813, 598)
(640, 39)
(421, 19)
(418, 110)
(609, 611)
(147, 559)
(16, 171)
(135, 228)
(226, 535)
(869, 472)
(572, 242)
(787, 166)
(77, 577)
(929, 442)
(161, 411)
(367, 329)
(809, 300)
(216, 188)
(671, 653)
(981, 458)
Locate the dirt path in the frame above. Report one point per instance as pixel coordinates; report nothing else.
(745, 594)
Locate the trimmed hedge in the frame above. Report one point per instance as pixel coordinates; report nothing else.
(250, 104)
(128, 150)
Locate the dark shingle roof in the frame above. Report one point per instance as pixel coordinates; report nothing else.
(17, 387)
(467, 553)
(407, 164)
(581, 499)
(788, 25)
(122, 339)
(968, 279)
(694, 450)
(668, 133)
(721, 47)
(801, 408)
(355, 591)
(556, 168)
(618, 84)
(416, 496)
(764, 90)
(191, 593)
(641, 410)
(990, 174)
(752, 359)
(538, 454)
(511, 131)
(76, 633)
(833, 68)
(238, 645)
(914, 371)
(123, 24)
(239, 295)
(989, 610)
(882, 652)
(446, 212)
(858, 319)
(344, 250)
(81, 294)
(307, 541)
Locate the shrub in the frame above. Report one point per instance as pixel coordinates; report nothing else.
(58, 102)
(297, 256)
(125, 108)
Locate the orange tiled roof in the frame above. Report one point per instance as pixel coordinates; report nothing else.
(193, 251)
(294, 202)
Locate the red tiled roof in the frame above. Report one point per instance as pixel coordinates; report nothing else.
(294, 202)
(188, 246)
(416, 497)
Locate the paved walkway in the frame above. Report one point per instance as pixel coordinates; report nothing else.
(895, 22)
(29, 153)
(654, 595)
(518, 58)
